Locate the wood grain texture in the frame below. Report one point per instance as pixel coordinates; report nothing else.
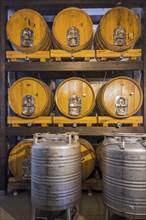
(87, 158)
(31, 19)
(72, 17)
(78, 87)
(119, 87)
(117, 17)
(18, 154)
(41, 93)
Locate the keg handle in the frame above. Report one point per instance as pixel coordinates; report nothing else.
(123, 143)
(71, 136)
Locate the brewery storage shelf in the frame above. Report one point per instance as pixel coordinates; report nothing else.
(86, 55)
(89, 121)
(60, 69)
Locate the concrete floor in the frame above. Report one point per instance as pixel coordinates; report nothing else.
(19, 207)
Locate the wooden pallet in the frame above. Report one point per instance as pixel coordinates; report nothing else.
(16, 56)
(104, 55)
(133, 120)
(86, 55)
(88, 121)
(92, 184)
(15, 121)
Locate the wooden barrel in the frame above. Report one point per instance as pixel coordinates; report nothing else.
(29, 98)
(118, 30)
(75, 98)
(20, 160)
(28, 31)
(72, 30)
(120, 97)
(87, 158)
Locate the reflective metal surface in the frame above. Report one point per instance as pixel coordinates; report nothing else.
(121, 105)
(26, 168)
(75, 105)
(28, 105)
(55, 171)
(119, 36)
(73, 36)
(124, 175)
(27, 37)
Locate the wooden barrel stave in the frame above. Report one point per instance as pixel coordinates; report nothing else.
(121, 24)
(120, 97)
(28, 19)
(81, 91)
(35, 88)
(18, 157)
(87, 158)
(72, 17)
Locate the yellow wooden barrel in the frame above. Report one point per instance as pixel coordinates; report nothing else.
(87, 158)
(28, 32)
(72, 30)
(19, 160)
(75, 97)
(118, 30)
(120, 97)
(29, 98)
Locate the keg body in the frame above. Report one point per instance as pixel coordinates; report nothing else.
(124, 175)
(55, 173)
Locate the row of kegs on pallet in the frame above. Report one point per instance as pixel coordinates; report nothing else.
(56, 161)
(72, 30)
(120, 97)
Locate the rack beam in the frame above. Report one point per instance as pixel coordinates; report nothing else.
(74, 66)
(75, 3)
(93, 131)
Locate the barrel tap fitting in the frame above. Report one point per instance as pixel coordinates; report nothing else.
(123, 143)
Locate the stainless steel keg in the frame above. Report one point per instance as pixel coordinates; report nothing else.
(124, 174)
(55, 171)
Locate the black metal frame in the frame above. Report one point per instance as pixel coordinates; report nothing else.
(59, 68)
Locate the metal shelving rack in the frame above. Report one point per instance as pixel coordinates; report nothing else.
(58, 69)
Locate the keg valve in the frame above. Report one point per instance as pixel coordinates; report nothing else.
(26, 37)
(28, 105)
(121, 105)
(74, 105)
